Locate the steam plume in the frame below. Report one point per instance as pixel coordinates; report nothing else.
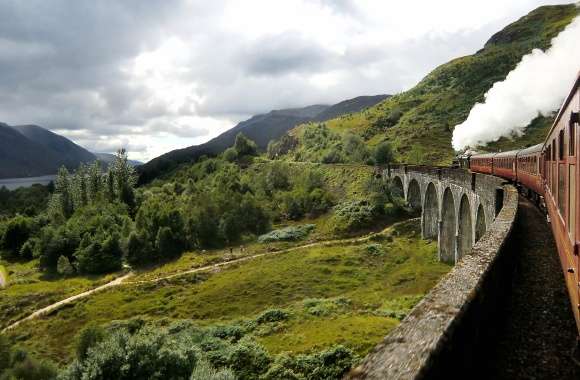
(538, 84)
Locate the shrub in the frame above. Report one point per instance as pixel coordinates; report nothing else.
(204, 371)
(4, 353)
(383, 153)
(87, 338)
(244, 146)
(353, 215)
(273, 315)
(374, 249)
(16, 233)
(230, 155)
(291, 233)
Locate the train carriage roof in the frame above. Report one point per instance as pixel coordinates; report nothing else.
(532, 149)
(509, 153)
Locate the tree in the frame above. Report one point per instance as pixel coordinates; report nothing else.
(95, 181)
(383, 153)
(244, 146)
(79, 187)
(125, 179)
(62, 187)
(230, 155)
(139, 251)
(17, 232)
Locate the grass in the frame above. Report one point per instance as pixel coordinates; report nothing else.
(362, 283)
(29, 289)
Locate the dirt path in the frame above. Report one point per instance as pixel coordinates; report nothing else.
(122, 280)
(537, 333)
(59, 304)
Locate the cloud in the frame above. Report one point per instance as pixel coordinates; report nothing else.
(511, 104)
(163, 74)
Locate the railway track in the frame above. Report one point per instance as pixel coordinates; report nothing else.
(537, 332)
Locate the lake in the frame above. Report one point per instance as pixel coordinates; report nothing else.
(14, 183)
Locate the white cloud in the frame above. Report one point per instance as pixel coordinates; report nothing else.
(165, 74)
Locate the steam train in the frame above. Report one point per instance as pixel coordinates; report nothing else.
(549, 173)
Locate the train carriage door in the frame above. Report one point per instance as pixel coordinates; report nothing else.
(572, 176)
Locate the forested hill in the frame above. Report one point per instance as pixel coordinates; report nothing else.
(260, 128)
(418, 123)
(27, 151)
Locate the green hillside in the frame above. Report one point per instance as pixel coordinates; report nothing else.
(419, 123)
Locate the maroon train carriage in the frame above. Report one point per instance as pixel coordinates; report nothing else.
(504, 165)
(482, 163)
(560, 174)
(528, 170)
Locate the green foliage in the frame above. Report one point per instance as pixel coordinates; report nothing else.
(89, 337)
(291, 233)
(383, 153)
(144, 355)
(330, 364)
(244, 146)
(374, 249)
(230, 155)
(272, 315)
(16, 232)
(204, 371)
(354, 215)
(89, 239)
(4, 353)
(28, 201)
(16, 363)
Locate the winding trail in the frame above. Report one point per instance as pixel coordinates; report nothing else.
(123, 279)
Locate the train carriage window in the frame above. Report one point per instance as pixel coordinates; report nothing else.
(562, 189)
(572, 202)
(572, 140)
(561, 145)
(553, 150)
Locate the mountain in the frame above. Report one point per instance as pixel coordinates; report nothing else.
(348, 106)
(260, 128)
(419, 123)
(107, 158)
(28, 151)
(69, 153)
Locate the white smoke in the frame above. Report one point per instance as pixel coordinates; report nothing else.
(538, 84)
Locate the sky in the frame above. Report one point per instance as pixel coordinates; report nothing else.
(157, 75)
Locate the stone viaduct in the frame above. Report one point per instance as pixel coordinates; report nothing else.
(472, 217)
(456, 205)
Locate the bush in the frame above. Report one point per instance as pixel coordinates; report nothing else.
(383, 153)
(230, 155)
(291, 233)
(204, 371)
(16, 233)
(374, 249)
(353, 215)
(89, 337)
(244, 146)
(273, 315)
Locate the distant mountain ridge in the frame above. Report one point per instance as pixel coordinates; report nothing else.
(260, 128)
(30, 151)
(108, 158)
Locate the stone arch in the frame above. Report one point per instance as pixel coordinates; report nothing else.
(414, 195)
(430, 217)
(480, 226)
(447, 240)
(465, 232)
(397, 188)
